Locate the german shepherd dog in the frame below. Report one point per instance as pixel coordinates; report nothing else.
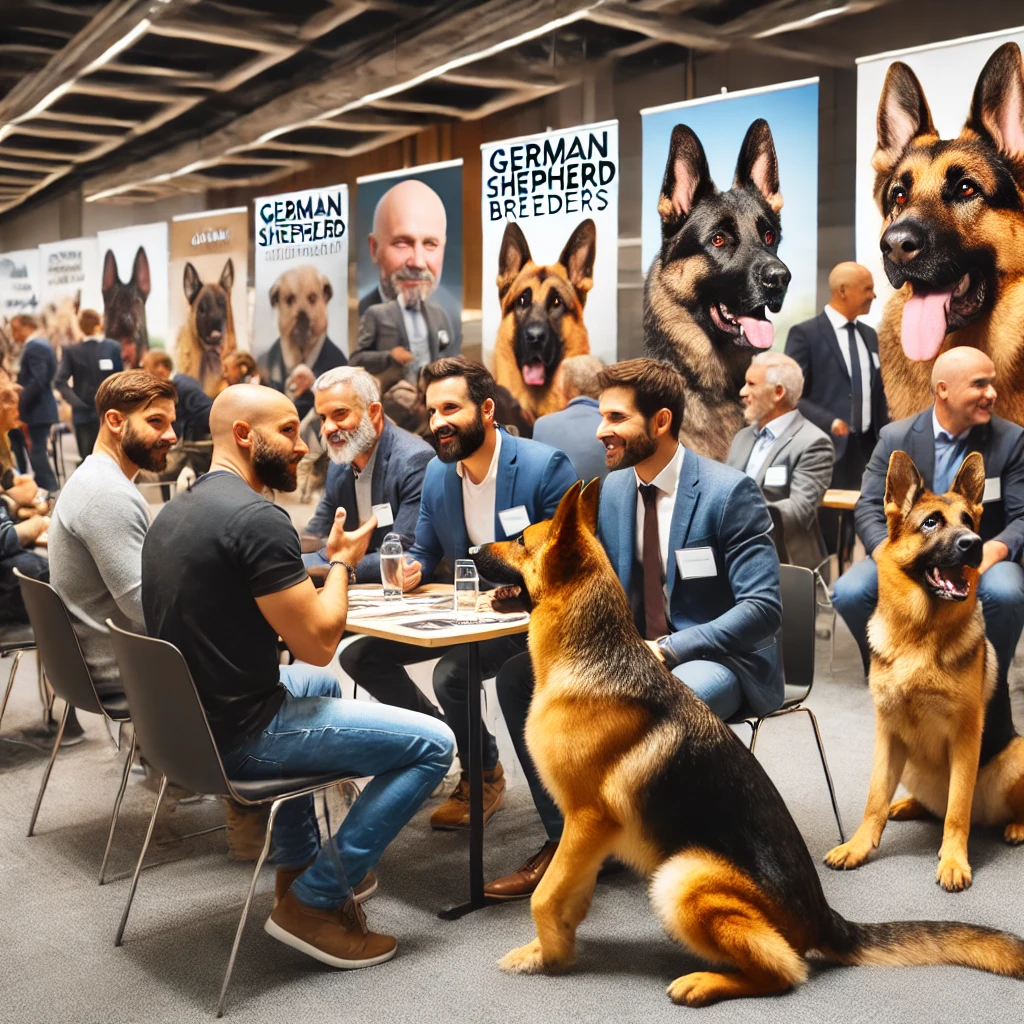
(541, 316)
(124, 307)
(644, 770)
(952, 233)
(209, 333)
(932, 675)
(717, 270)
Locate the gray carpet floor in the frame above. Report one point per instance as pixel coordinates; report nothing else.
(58, 962)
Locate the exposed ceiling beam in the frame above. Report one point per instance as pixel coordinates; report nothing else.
(666, 27)
(784, 16)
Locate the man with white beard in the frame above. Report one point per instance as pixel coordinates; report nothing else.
(376, 469)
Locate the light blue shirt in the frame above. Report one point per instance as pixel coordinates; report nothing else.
(949, 453)
(766, 437)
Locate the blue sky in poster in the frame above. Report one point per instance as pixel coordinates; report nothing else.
(720, 124)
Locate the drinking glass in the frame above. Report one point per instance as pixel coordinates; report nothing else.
(467, 589)
(391, 558)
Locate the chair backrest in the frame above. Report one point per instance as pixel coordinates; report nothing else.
(170, 723)
(798, 611)
(57, 645)
(778, 534)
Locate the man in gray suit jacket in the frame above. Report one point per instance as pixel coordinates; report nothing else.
(788, 456)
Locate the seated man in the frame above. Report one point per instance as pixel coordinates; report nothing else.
(689, 540)
(193, 423)
(787, 455)
(374, 463)
(240, 368)
(938, 440)
(100, 520)
(222, 578)
(485, 485)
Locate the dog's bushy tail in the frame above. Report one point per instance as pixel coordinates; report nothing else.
(923, 944)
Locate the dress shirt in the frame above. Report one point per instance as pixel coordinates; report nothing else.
(419, 341)
(364, 485)
(766, 437)
(949, 453)
(478, 499)
(839, 322)
(667, 482)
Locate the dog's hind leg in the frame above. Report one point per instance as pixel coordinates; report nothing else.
(718, 912)
(909, 808)
(1014, 831)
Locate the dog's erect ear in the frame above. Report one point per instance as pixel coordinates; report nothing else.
(191, 283)
(227, 276)
(140, 274)
(903, 484)
(970, 479)
(110, 278)
(564, 524)
(903, 116)
(578, 258)
(997, 109)
(758, 164)
(687, 179)
(587, 508)
(513, 255)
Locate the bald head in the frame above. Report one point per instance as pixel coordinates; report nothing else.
(852, 289)
(963, 380)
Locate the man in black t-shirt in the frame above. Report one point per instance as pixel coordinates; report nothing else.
(222, 578)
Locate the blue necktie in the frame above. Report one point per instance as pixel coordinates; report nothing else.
(948, 456)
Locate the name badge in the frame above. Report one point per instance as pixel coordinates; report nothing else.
(514, 520)
(106, 364)
(776, 476)
(696, 563)
(993, 489)
(385, 517)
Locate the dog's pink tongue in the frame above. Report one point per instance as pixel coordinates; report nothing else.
(924, 324)
(533, 374)
(760, 333)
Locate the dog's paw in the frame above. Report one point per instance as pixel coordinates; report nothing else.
(954, 873)
(846, 857)
(1014, 833)
(526, 959)
(508, 599)
(698, 989)
(908, 809)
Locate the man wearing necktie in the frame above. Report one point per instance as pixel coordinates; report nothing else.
(843, 393)
(938, 440)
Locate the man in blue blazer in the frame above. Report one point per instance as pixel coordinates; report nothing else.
(690, 542)
(485, 485)
(38, 406)
(373, 464)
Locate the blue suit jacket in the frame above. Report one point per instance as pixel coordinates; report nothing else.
(573, 430)
(735, 617)
(398, 470)
(529, 473)
(38, 368)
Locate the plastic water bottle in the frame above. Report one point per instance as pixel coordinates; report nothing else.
(391, 572)
(467, 590)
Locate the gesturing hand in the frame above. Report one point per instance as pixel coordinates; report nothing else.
(349, 547)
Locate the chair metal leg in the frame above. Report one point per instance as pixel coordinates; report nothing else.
(828, 774)
(117, 804)
(142, 857)
(754, 730)
(10, 682)
(248, 902)
(49, 767)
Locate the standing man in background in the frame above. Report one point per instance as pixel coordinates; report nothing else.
(843, 393)
(38, 406)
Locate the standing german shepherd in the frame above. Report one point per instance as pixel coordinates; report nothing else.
(209, 333)
(932, 675)
(643, 770)
(953, 233)
(541, 315)
(717, 270)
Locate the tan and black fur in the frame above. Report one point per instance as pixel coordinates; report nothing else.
(208, 335)
(541, 315)
(954, 210)
(932, 676)
(643, 770)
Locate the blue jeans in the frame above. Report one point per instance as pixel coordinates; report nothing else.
(715, 684)
(316, 731)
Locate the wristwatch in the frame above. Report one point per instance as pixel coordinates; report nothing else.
(351, 571)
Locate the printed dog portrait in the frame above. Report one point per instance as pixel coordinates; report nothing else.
(300, 296)
(124, 307)
(209, 334)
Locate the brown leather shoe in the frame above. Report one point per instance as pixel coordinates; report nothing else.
(337, 937)
(454, 812)
(246, 828)
(521, 883)
(285, 876)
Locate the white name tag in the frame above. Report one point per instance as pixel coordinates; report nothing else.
(695, 563)
(776, 476)
(993, 489)
(385, 517)
(514, 520)
(106, 364)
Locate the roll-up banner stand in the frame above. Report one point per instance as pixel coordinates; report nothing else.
(20, 284)
(69, 273)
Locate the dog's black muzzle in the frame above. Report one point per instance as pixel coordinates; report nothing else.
(769, 284)
(537, 342)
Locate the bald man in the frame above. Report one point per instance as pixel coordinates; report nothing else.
(843, 393)
(222, 578)
(938, 440)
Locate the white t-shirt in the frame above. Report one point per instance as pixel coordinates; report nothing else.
(478, 499)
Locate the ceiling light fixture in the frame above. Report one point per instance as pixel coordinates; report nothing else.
(811, 19)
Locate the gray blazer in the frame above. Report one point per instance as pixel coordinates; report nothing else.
(382, 328)
(574, 431)
(806, 454)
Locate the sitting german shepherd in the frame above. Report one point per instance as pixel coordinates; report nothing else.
(932, 675)
(643, 770)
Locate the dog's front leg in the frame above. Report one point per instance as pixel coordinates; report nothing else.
(954, 872)
(886, 771)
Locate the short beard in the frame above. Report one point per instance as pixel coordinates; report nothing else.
(357, 442)
(424, 278)
(467, 440)
(149, 457)
(637, 449)
(272, 469)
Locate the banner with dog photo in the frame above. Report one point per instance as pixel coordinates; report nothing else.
(550, 214)
(209, 308)
(70, 282)
(134, 282)
(20, 285)
(300, 325)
